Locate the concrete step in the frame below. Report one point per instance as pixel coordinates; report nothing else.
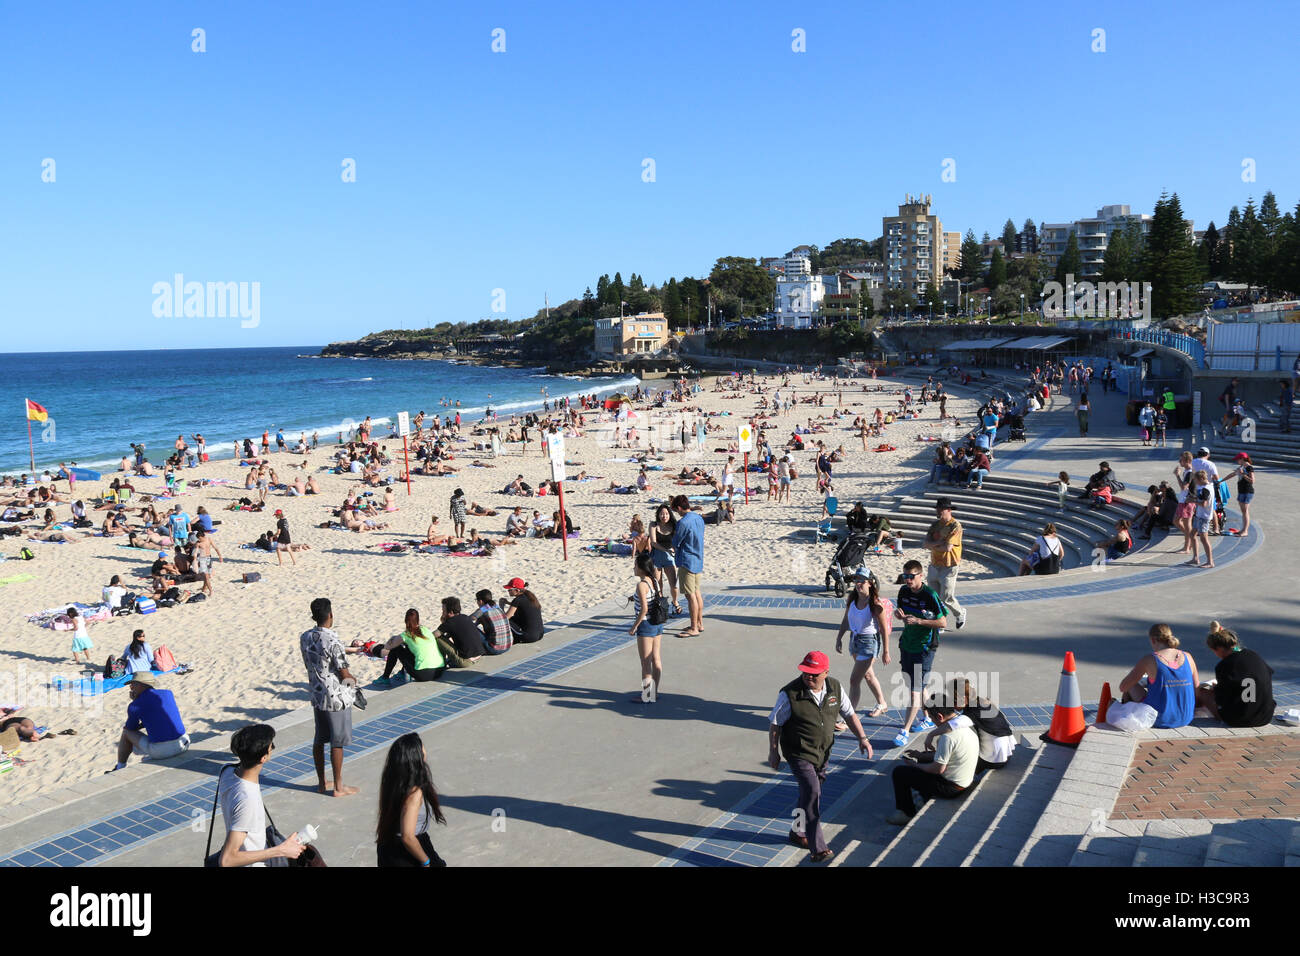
(1089, 523)
(1004, 838)
(1173, 843)
(1293, 847)
(1114, 845)
(956, 841)
(1248, 843)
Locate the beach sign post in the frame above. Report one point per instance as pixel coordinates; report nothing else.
(404, 429)
(555, 445)
(35, 413)
(745, 441)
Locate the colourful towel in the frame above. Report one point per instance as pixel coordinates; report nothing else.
(90, 687)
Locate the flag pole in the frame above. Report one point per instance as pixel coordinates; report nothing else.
(31, 447)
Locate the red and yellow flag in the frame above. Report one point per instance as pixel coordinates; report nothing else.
(36, 413)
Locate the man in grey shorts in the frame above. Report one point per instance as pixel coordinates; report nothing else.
(333, 691)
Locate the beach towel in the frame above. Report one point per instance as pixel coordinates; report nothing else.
(16, 579)
(93, 686)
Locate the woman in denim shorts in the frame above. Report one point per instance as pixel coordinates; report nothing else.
(1245, 475)
(867, 619)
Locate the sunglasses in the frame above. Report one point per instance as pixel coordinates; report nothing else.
(908, 577)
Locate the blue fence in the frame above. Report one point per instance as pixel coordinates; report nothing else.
(1170, 340)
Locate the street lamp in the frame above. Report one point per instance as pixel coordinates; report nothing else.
(1022, 307)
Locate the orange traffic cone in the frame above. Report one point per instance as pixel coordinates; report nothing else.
(1067, 719)
(1104, 705)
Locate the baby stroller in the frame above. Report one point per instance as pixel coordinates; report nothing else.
(1015, 428)
(848, 555)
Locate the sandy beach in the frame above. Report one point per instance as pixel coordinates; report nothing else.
(243, 641)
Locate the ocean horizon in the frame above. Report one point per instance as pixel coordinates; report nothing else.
(100, 402)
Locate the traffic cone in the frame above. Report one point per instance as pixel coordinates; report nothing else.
(1067, 719)
(1104, 705)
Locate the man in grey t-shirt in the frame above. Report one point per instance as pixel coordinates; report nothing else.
(241, 802)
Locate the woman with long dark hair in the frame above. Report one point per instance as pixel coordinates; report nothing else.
(415, 650)
(647, 635)
(661, 552)
(407, 801)
(524, 612)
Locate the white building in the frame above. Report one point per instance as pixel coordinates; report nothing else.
(798, 298)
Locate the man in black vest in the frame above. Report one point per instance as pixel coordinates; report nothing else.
(803, 724)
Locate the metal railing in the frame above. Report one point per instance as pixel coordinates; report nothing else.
(1193, 348)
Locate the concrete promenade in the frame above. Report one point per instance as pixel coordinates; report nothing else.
(543, 758)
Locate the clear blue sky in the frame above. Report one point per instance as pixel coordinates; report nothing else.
(522, 170)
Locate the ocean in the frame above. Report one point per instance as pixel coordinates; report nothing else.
(100, 402)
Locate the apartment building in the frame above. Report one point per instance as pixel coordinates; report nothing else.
(914, 246)
(1093, 235)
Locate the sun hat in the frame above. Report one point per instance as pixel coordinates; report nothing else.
(516, 584)
(144, 677)
(815, 662)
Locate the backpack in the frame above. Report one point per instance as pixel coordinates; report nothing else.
(26, 554)
(196, 597)
(114, 667)
(172, 594)
(163, 659)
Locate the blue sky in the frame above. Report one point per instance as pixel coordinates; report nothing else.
(522, 170)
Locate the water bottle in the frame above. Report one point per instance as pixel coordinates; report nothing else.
(308, 834)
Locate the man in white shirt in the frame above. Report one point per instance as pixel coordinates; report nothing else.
(114, 593)
(241, 802)
(946, 773)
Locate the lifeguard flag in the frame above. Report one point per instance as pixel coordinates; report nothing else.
(36, 413)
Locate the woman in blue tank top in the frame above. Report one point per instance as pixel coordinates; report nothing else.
(1171, 680)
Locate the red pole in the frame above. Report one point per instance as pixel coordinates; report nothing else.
(30, 447)
(407, 455)
(564, 527)
(746, 477)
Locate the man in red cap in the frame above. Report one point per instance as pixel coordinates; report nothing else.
(803, 724)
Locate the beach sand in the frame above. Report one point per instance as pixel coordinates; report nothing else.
(243, 641)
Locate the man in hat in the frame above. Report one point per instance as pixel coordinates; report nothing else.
(153, 723)
(803, 726)
(944, 543)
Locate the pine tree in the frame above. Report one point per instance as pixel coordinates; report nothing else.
(1169, 261)
(602, 290)
(997, 269)
(1230, 237)
(1271, 221)
(1249, 251)
(1070, 263)
(672, 304)
(1009, 237)
(971, 258)
(1115, 265)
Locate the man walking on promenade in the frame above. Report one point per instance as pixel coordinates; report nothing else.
(944, 543)
(803, 725)
(333, 691)
(688, 555)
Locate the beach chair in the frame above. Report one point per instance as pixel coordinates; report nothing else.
(822, 531)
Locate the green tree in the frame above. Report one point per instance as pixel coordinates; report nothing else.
(1070, 262)
(972, 260)
(997, 269)
(672, 299)
(617, 292)
(744, 278)
(589, 304)
(866, 305)
(602, 290)
(899, 300)
(1231, 236)
(1208, 253)
(1009, 237)
(1169, 261)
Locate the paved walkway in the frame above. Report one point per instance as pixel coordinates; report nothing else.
(544, 758)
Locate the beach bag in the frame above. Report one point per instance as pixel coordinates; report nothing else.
(1225, 492)
(114, 667)
(163, 659)
(310, 855)
(196, 598)
(26, 554)
(252, 576)
(657, 612)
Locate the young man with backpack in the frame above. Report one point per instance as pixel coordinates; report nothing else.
(923, 615)
(242, 809)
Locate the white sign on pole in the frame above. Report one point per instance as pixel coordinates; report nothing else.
(745, 438)
(555, 445)
(403, 424)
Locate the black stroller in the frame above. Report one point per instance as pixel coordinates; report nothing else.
(848, 556)
(1015, 428)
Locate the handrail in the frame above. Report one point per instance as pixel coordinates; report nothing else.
(1191, 347)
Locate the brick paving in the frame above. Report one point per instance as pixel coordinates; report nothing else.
(1213, 778)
